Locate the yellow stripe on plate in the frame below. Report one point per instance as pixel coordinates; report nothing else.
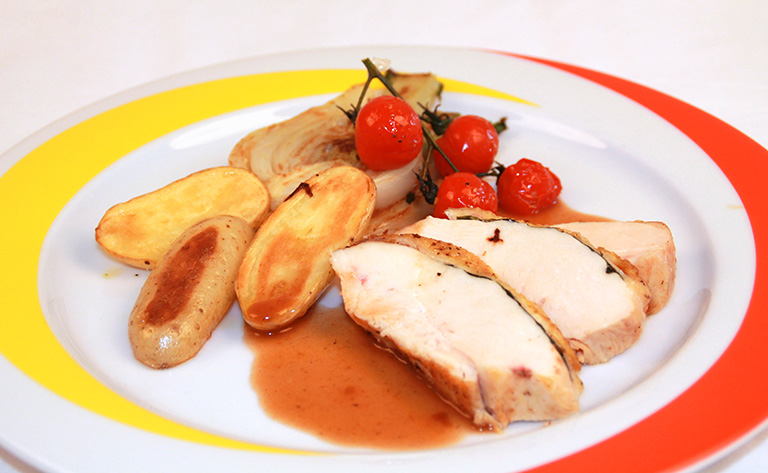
(451, 85)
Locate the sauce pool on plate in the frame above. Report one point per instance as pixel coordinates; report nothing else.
(325, 376)
(558, 213)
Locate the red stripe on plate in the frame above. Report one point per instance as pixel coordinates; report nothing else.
(731, 399)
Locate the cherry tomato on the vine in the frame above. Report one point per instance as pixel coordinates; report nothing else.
(388, 133)
(527, 187)
(464, 189)
(470, 142)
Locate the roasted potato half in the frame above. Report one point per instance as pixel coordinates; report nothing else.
(287, 266)
(189, 292)
(140, 231)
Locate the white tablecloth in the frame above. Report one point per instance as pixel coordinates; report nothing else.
(59, 55)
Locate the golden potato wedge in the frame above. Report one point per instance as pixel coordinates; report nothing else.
(189, 292)
(140, 231)
(287, 153)
(287, 266)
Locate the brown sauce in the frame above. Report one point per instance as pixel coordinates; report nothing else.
(325, 376)
(558, 213)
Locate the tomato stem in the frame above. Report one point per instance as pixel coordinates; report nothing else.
(500, 125)
(438, 121)
(362, 95)
(434, 144)
(375, 73)
(495, 171)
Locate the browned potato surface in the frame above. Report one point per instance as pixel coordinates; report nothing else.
(140, 231)
(189, 292)
(287, 266)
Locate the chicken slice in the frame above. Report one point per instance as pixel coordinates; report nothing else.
(596, 299)
(488, 351)
(649, 246)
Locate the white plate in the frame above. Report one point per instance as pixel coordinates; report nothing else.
(615, 157)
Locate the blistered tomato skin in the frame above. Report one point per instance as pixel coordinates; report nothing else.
(388, 133)
(470, 142)
(528, 187)
(464, 189)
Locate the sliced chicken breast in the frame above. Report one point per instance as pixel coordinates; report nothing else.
(594, 297)
(649, 246)
(488, 351)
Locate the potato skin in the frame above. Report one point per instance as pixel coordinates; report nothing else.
(138, 232)
(189, 292)
(287, 266)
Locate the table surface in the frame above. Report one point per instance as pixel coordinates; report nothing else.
(57, 56)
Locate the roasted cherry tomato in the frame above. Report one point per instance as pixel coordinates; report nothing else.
(387, 133)
(464, 189)
(470, 142)
(527, 187)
